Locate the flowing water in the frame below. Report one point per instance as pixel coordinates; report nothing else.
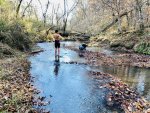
(70, 89)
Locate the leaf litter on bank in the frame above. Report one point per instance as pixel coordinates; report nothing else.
(16, 92)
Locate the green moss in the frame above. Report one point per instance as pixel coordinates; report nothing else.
(143, 47)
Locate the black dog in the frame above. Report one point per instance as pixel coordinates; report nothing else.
(82, 47)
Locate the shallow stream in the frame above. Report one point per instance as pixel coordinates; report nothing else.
(70, 89)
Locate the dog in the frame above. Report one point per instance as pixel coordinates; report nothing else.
(82, 47)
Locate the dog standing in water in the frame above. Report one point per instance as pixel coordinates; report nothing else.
(82, 48)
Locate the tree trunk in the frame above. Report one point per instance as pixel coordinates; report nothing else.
(18, 8)
(119, 24)
(139, 16)
(128, 21)
(148, 14)
(67, 12)
(65, 17)
(65, 25)
(141, 20)
(131, 19)
(44, 14)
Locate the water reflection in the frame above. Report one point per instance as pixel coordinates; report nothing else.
(57, 65)
(137, 78)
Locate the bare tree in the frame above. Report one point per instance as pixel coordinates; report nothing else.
(94, 16)
(40, 5)
(28, 5)
(36, 15)
(57, 15)
(67, 13)
(114, 21)
(44, 14)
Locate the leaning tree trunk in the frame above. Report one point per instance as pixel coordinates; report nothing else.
(132, 20)
(115, 20)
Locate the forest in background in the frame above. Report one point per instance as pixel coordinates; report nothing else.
(95, 16)
(86, 16)
(113, 22)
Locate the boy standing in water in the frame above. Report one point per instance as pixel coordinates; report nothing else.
(57, 38)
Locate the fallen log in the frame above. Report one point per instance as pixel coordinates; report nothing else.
(36, 51)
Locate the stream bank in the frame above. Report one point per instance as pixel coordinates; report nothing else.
(130, 42)
(16, 91)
